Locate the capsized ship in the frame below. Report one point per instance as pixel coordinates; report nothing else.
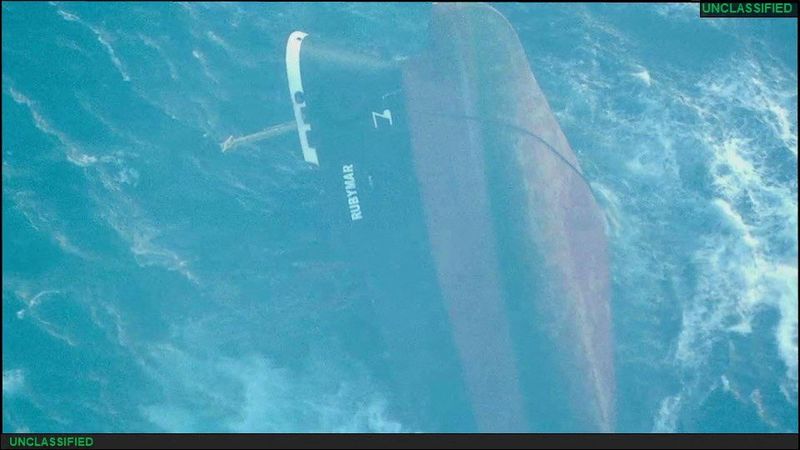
(451, 187)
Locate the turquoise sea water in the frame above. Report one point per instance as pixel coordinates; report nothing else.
(152, 283)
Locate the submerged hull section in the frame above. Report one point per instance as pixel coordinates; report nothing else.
(453, 192)
(517, 237)
(355, 116)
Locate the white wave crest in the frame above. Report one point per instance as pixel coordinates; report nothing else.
(103, 37)
(13, 381)
(251, 394)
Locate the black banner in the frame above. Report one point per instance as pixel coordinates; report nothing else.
(372, 441)
(748, 9)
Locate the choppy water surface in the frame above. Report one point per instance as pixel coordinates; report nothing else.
(153, 283)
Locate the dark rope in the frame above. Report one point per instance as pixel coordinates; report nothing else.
(517, 129)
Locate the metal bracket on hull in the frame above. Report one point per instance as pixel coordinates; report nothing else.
(297, 95)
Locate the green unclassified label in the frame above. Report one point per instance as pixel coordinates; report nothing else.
(748, 9)
(28, 441)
